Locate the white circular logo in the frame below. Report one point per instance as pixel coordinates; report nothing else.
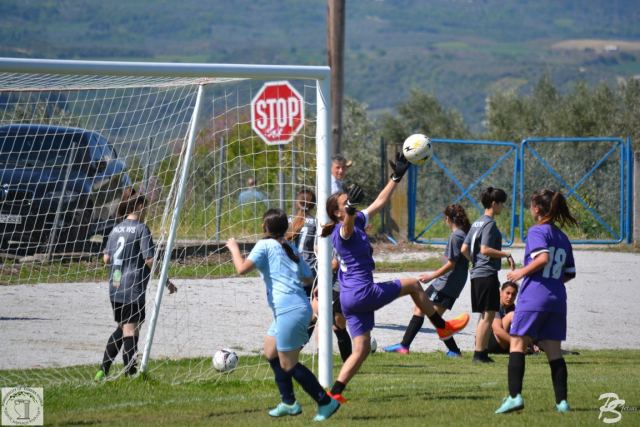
(22, 406)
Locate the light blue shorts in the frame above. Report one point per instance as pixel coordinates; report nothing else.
(290, 328)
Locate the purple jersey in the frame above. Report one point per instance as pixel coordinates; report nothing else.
(544, 290)
(355, 255)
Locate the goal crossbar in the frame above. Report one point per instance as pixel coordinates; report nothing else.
(222, 73)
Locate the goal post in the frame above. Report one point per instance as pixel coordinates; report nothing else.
(33, 76)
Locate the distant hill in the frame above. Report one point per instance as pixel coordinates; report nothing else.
(459, 50)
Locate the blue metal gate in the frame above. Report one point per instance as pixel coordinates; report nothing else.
(595, 176)
(462, 170)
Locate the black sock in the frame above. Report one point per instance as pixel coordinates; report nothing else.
(283, 381)
(559, 375)
(111, 350)
(344, 343)
(480, 355)
(451, 345)
(515, 373)
(412, 330)
(129, 355)
(310, 384)
(338, 387)
(311, 327)
(437, 320)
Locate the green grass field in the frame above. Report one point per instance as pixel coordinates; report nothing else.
(417, 389)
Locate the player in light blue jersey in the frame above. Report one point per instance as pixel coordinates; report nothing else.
(284, 272)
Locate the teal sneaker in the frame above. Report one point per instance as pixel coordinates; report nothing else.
(563, 406)
(282, 410)
(326, 411)
(453, 354)
(510, 404)
(396, 348)
(100, 375)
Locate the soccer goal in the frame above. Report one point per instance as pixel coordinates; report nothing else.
(76, 137)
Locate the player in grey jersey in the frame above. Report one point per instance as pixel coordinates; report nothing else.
(302, 232)
(129, 253)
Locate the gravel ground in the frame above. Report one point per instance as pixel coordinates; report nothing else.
(49, 325)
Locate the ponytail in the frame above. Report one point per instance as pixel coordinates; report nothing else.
(559, 211)
(458, 216)
(553, 207)
(275, 225)
(332, 207)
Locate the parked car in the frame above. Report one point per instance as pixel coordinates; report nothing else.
(58, 186)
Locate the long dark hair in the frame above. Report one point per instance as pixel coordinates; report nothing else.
(491, 194)
(306, 201)
(458, 216)
(553, 207)
(332, 207)
(275, 225)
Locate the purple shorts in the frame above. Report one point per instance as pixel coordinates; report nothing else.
(539, 325)
(359, 307)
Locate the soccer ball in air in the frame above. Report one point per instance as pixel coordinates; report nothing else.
(417, 148)
(225, 360)
(374, 344)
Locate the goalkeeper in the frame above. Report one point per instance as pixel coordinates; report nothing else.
(129, 253)
(360, 296)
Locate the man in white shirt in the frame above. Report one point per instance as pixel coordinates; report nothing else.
(339, 166)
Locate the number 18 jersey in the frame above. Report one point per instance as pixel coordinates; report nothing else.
(544, 290)
(129, 244)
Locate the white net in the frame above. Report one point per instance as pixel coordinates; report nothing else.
(71, 147)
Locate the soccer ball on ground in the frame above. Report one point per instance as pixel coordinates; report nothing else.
(417, 148)
(374, 344)
(225, 360)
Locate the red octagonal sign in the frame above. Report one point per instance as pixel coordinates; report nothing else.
(277, 112)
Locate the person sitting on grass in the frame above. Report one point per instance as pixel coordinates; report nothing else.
(500, 339)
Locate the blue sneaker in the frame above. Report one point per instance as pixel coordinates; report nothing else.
(563, 406)
(282, 410)
(326, 411)
(396, 348)
(510, 404)
(453, 354)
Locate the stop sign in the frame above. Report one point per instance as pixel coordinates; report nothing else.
(277, 113)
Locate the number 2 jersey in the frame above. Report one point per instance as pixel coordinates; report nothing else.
(544, 290)
(129, 244)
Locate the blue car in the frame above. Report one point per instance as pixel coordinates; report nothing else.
(59, 187)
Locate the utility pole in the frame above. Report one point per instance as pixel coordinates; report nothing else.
(335, 54)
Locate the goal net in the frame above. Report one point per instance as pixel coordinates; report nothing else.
(76, 138)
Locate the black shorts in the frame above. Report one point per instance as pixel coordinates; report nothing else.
(439, 298)
(128, 313)
(337, 308)
(494, 347)
(335, 295)
(485, 294)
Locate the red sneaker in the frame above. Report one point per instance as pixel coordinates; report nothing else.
(341, 399)
(453, 326)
